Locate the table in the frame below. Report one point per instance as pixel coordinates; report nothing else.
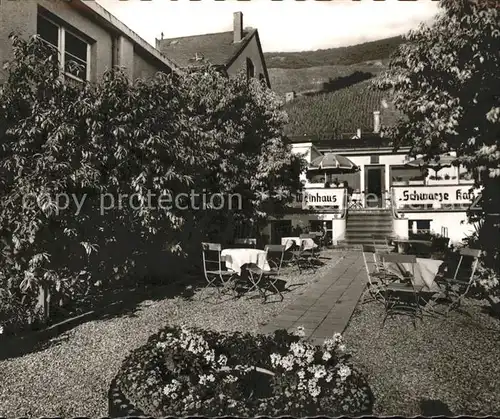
(236, 258)
(425, 272)
(289, 241)
(405, 244)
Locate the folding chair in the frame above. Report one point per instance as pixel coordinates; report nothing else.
(212, 267)
(248, 242)
(380, 246)
(459, 285)
(274, 256)
(381, 243)
(402, 298)
(375, 285)
(304, 257)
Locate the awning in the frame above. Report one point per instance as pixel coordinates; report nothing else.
(333, 162)
(436, 163)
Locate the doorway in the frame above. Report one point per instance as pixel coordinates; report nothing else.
(279, 229)
(375, 186)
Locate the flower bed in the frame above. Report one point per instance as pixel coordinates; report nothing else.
(182, 372)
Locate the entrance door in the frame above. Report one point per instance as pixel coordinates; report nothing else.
(279, 229)
(374, 186)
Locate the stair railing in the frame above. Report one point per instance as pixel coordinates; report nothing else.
(394, 209)
(345, 204)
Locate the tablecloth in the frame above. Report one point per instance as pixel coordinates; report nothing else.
(236, 258)
(404, 245)
(425, 272)
(289, 241)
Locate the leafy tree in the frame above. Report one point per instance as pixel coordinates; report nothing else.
(445, 80)
(97, 143)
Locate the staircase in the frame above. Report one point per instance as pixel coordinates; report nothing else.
(361, 224)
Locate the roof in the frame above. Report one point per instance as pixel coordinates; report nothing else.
(110, 21)
(216, 48)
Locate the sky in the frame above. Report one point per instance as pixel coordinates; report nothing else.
(287, 25)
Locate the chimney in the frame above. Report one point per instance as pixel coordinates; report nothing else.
(237, 26)
(376, 122)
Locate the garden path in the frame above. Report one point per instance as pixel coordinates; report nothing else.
(327, 305)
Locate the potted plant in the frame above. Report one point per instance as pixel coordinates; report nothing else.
(434, 180)
(416, 181)
(398, 181)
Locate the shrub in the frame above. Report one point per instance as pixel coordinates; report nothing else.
(199, 133)
(184, 371)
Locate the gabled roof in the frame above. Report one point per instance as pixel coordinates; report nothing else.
(217, 49)
(116, 26)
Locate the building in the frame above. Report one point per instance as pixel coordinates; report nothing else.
(386, 196)
(83, 32)
(232, 52)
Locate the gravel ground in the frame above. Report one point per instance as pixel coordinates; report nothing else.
(447, 366)
(71, 377)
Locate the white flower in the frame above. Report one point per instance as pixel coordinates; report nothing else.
(344, 372)
(300, 331)
(222, 360)
(337, 337)
(230, 379)
(161, 345)
(298, 349)
(287, 362)
(301, 373)
(326, 356)
(275, 359)
(206, 378)
(342, 348)
(329, 377)
(313, 388)
(309, 355)
(171, 388)
(320, 371)
(173, 395)
(210, 356)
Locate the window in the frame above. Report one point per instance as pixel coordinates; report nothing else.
(405, 173)
(73, 53)
(250, 68)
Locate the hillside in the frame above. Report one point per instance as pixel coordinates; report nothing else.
(339, 112)
(334, 88)
(368, 51)
(320, 78)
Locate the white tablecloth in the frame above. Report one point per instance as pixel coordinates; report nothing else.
(288, 242)
(425, 272)
(236, 258)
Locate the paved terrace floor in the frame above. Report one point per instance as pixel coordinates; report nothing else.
(328, 305)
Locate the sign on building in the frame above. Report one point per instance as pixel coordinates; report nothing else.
(456, 197)
(323, 197)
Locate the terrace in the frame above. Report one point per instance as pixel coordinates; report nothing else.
(409, 369)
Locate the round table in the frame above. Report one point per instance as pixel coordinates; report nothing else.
(237, 258)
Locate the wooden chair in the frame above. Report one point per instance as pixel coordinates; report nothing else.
(457, 287)
(274, 256)
(305, 257)
(402, 298)
(212, 267)
(375, 285)
(251, 242)
(381, 243)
